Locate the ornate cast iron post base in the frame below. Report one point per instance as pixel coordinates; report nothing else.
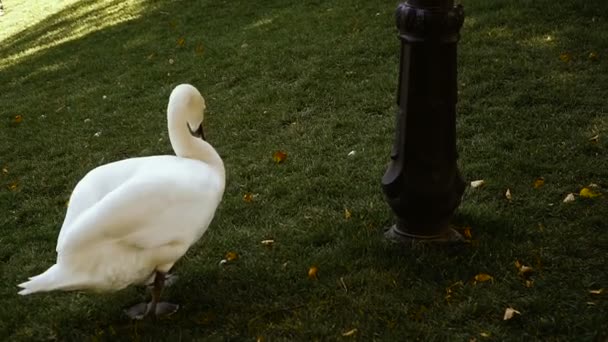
(422, 184)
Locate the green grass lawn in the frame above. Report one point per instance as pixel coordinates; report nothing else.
(83, 83)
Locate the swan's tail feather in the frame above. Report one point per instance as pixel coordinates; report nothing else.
(55, 278)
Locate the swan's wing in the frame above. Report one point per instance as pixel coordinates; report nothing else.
(148, 212)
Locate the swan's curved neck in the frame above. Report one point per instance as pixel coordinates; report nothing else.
(187, 146)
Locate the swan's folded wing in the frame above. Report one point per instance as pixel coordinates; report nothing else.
(141, 213)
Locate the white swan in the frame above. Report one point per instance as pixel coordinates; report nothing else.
(131, 220)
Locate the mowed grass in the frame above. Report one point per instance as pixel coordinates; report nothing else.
(90, 81)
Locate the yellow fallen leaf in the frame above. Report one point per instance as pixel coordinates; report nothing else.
(484, 334)
(593, 56)
(279, 156)
(5, 170)
(268, 242)
(13, 186)
(483, 277)
(569, 198)
(597, 292)
(248, 197)
(181, 41)
(467, 233)
(313, 272)
(231, 256)
(565, 57)
(347, 214)
(508, 195)
(588, 193)
(350, 332)
(595, 139)
(529, 283)
(510, 313)
(539, 182)
(477, 183)
(18, 119)
(260, 339)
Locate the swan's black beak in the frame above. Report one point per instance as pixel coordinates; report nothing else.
(199, 133)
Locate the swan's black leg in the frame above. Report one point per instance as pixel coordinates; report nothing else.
(155, 308)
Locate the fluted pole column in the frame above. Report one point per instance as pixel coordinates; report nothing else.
(422, 184)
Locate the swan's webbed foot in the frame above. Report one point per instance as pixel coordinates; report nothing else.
(143, 310)
(154, 308)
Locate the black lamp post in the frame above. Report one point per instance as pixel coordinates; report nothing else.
(422, 184)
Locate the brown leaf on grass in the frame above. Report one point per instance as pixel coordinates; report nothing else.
(588, 193)
(5, 170)
(347, 214)
(13, 186)
(597, 292)
(231, 256)
(523, 270)
(565, 57)
(17, 119)
(351, 332)
(248, 197)
(593, 56)
(199, 49)
(539, 182)
(485, 334)
(508, 195)
(510, 313)
(467, 233)
(279, 156)
(595, 139)
(313, 273)
(181, 41)
(482, 278)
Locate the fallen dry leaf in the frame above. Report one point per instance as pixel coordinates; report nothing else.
(565, 57)
(529, 283)
(477, 183)
(347, 214)
(510, 313)
(595, 139)
(523, 270)
(350, 332)
(279, 157)
(484, 334)
(588, 193)
(199, 49)
(539, 182)
(231, 256)
(569, 198)
(248, 197)
(482, 277)
(181, 41)
(268, 242)
(5, 170)
(597, 292)
(508, 195)
(13, 186)
(17, 119)
(467, 233)
(313, 272)
(593, 56)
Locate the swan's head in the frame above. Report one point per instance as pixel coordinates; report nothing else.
(187, 106)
